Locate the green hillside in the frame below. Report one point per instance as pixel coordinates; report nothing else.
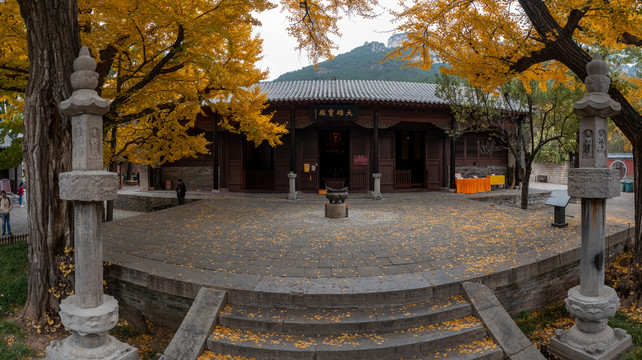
(363, 63)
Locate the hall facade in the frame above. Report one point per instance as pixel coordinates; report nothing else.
(340, 133)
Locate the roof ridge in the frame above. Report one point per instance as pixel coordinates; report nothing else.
(351, 89)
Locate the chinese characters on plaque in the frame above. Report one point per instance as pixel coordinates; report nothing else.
(335, 112)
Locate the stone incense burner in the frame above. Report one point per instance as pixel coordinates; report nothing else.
(336, 196)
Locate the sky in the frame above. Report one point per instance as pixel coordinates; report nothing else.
(279, 55)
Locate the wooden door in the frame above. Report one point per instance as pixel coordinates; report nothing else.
(308, 153)
(359, 169)
(434, 157)
(282, 166)
(387, 161)
(235, 163)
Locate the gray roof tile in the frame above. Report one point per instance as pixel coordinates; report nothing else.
(351, 90)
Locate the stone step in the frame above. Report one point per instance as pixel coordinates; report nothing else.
(349, 346)
(347, 292)
(347, 320)
(485, 349)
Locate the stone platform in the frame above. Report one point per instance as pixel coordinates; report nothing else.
(264, 249)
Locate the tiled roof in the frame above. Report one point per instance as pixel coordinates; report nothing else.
(7, 140)
(351, 90)
(620, 156)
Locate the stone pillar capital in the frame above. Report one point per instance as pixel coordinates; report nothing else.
(596, 102)
(84, 79)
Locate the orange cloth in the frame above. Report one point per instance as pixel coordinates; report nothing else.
(471, 186)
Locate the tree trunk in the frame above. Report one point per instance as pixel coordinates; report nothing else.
(526, 179)
(130, 171)
(53, 42)
(109, 213)
(113, 167)
(637, 173)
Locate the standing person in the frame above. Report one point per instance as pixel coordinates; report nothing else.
(180, 192)
(20, 192)
(5, 208)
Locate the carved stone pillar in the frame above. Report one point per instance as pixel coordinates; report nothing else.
(143, 177)
(592, 303)
(292, 184)
(88, 314)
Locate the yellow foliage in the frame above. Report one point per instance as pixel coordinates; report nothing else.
(161, 62)
(312, 22)
(483, 40)
(171, 59)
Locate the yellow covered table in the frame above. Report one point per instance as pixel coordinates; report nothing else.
(472, 186)
(497, 179)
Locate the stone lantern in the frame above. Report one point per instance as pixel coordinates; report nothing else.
(592, 303)
(89, 314)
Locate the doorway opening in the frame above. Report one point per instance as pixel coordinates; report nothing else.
(259, 166)
(334, 158)
(409, 159)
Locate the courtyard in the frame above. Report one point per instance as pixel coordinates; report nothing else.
(411, 240)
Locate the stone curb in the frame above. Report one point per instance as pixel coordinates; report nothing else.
(500, 325)
(189, 341)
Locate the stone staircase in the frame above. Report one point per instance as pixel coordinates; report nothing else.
(435, 329)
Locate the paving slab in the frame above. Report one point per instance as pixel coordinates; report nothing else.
(423, 242)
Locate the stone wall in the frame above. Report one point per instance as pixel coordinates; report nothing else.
(561, 273)
(514, 200)
(555, 173)
(158, 307)
(467, 171)
(194, 177)
(145, 203)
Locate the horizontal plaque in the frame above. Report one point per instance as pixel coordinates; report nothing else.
(340, 112)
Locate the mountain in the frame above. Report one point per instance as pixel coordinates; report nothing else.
(363, 63)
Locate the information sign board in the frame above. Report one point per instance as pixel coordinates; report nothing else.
(558, 198)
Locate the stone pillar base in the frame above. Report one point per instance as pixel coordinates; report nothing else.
(573, 344)
(376, 194)
(111, 350)
(292, 186)
(336, 211)
(89, 338)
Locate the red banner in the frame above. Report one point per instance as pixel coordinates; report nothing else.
(360, 160)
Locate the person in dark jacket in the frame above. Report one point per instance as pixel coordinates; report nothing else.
(180, 192)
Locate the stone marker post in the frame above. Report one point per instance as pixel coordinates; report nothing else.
(88, 314)
(376, 194)
(292, 185)
(592, 303)
(143, 177)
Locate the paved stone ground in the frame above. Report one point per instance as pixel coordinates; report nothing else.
(264, 234)
(18, 218)
(19, 224)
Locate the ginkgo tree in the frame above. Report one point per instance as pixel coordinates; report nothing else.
(164, 64)
(522, 118)
(490, 42)
(160, 63)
